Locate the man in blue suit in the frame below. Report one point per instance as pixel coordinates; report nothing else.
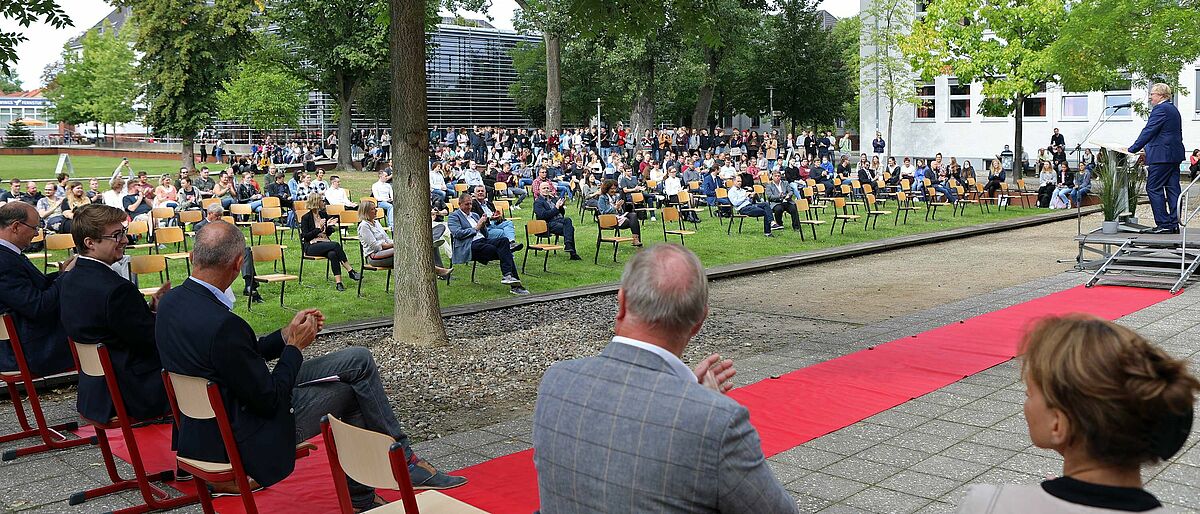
(1162, 140)
(31, 298)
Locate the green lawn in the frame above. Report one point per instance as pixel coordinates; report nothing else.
(711, 243)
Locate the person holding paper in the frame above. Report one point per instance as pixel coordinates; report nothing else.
(271, 408)
(1162, 140)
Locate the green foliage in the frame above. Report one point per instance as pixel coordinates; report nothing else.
(97, 84)
(1108, 41)
(18, 135)
(848, 35)
(189, 48)
(10, 83)
(886, 71)
(25, 13)
(332, 44)
(1106, 172)
(264, 97)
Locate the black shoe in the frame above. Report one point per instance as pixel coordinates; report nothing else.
(576, 257)
(340, 287)
(354, 275)
(255, 297)
(516, 247)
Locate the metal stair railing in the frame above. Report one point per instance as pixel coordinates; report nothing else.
(1104, 267)
(1182, 207)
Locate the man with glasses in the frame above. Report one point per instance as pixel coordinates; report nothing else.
(30, 296)
(99, 306)
(1162, 140)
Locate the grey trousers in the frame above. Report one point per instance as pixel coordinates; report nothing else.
(358, 399)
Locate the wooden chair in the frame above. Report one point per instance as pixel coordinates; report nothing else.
(271, 253)
(872, 211)
(346, 220)
(56, 243)
(138, 228)
(1025, 193)
(984, 200)
(460, 188)
(199, 399)
(848, 195)
(274, 215)
(903, 204)
(191, 216)
(1006, 197)
(53, 436)
(146, 264)
(841, 213)
(640, 204)
(685, 206)
(93, 361)
(208, 201)
(671, 215)
(163, 214)
(174, 235)
(932, 203)
(377, 460)
(810, 217)
(964, 200)
(539, 230)
(259, 229)
(608, 222)
(243, 210)
(505, 209)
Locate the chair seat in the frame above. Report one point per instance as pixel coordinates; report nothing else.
(177, 256)
(140, 246)
(681, 232)
(880, 213)
(812, 222)
(206, 466)
(313, 257)
(372, 267)
(10, 373)
(941, 204)
(431, 502)
(147, 291)
(546, 247)
(621, 239)
(275, 277)
(847, 217)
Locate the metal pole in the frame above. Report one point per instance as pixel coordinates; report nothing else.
(597, 112)
(771, 103)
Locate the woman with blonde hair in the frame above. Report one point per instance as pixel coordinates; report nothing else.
(1106, 400)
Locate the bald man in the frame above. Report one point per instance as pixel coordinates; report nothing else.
(30, 296)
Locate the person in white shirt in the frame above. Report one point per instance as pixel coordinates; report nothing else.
(116, 192)
(437, 182)
(382, 191)
(744, 205)
(378, 247)
(335, 195)
(470, 176)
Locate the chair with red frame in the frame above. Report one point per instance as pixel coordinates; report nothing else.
(93, 360)
(197, 398)
(377, 460)
(52, 435)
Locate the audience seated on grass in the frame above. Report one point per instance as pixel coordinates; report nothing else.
(278, 407)
(1106, 400)
(695, 448)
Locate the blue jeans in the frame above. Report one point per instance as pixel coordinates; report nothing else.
(387, 211)
(256, 206)
(503, 229)
(564, 190)
(755, 210)
(1063, 195)
(226, 202)
(524, 183)
(1078, 193)
(441, 193)
(941, 188)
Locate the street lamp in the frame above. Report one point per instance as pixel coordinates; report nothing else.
(597, 112)
(771, 104)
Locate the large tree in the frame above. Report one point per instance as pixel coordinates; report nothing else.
(264, 97)
(335, 45)
(189, 48)
(25, 13)
(98, 83)
(1006, 46)
(550, 18)
(10, 83)
(885, 73)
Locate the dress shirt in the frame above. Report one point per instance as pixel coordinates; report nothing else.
(677, 366)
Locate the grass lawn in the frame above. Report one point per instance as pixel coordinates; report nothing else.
(711, 243)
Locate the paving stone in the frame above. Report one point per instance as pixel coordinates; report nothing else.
(893, 455)
(517, 428)
(843, 509)
(877, 499)
(431, 450)
(841, 443)
(937, 508)
(978, 453)
(808, 502)
(924, 408)
(1180, 474)
(928, 443)
(860, 470)
(975, 418)
(947, 429)
(972, 391)
(871, 432)
(1005, 476)
(787, 473)
(897, 419)
(919, 484)
(39, 495)
(1177, 494)
(811, 459)
(468, 440)
(1033, 465)
(18, 472)
(827, 486)
(1000, 439)
(1015, 424)
(456, 461)
(502, 448)
(987, 405)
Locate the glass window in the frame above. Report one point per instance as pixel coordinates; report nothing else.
(927, 109)
(960, 90)
(925, 90)
(1035, 107)
(1113, 100)
(960, 100)
(1075, 107)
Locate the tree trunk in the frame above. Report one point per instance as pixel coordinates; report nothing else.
(343, 98)
(1018, 165)
(187, 155)
(417, 318)
(704, 97)
(553, 81)
(641, 117)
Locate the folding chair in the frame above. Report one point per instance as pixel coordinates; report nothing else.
(271, 253)
(810, 217)
(93, 360)
(841, 213)
(608, 222)
(200, 399)
(932, 203)
(905, 204)
(174, 235)
(873, 213)
(377, 460)
(671, 215)
(539, 230)
(52, 436)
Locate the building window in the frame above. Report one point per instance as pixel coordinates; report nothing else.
(1035, 106)
(922, 6)
(1075, 107)
(960, 100)
(927, 109)
(1111, 100)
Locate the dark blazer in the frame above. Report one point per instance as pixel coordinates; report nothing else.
(99, 306)
(1163, 136)
(32, 299)
(198, 336)
(544, 209)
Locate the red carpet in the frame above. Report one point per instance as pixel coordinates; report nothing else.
(788, 411)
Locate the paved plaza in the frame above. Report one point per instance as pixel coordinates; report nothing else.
(917, 457)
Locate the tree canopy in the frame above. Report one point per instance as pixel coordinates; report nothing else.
(98, 83)
(25, 13)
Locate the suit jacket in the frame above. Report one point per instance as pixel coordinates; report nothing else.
(99, 306)
(462, 232)
(1163, 136)
(544, 209)
(619, 432)
(198, 336)
(775, 194)
(32, 299)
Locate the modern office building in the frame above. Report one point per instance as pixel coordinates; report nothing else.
(948, 119)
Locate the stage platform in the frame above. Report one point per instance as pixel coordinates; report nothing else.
(1165, 240)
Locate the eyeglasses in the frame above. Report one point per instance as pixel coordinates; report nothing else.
(117, 236)
(31, 227)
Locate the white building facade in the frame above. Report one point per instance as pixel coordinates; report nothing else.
(948, 119)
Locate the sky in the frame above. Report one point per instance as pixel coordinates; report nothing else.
(45, 42)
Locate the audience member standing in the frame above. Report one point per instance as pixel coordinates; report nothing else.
(695, 448)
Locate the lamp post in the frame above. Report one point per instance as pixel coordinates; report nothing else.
(771, 104)
(597, 112)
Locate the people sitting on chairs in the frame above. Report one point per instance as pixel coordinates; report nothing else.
(1064, 182)
(610, 202)
(709, 185)
(780, 195)
(271, 408)
(497, 226)
(937, 181)
(335, 195)
(248, 192)
(1109, 402)
(548, 207)
(315, 228)
(250, 289)
(381, 190)
(1046, 184)
(278, 188)
(98, 306)
(31, 297)
(744, 204)
(996, 176)
(471, 242)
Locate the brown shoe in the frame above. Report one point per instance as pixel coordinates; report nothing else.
(230, 488)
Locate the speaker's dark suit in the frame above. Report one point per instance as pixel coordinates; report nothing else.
(99, 306)
(198, 336)
(32, 298)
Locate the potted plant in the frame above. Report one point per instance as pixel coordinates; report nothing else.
(1106, 171)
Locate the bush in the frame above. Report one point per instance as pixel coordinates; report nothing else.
(18, 135)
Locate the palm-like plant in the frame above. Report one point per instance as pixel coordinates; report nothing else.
(1106, 171)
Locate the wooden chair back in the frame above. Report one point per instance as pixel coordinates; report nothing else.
(143, 264)
(190, 216)
(137, 228)
(271, 213)
(169, 235)
(607, 221)
(240, 209)
(209, 201)
(262, 228)
(162, 213)
(270, 201)
(267, 253)
(335, 209)
(55, 242)
(537, 227)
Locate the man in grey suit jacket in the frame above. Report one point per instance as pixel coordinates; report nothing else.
(470, 242)
(633, 429)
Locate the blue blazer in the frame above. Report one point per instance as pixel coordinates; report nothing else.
(462, 232)
(1163, 136)
(32, 299)
(198, 336)
(99, 306)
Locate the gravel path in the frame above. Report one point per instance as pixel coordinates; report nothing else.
(490, 370)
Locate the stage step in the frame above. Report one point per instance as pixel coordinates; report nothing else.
(1149, 258)
(1138, 279)
(1146, 269)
